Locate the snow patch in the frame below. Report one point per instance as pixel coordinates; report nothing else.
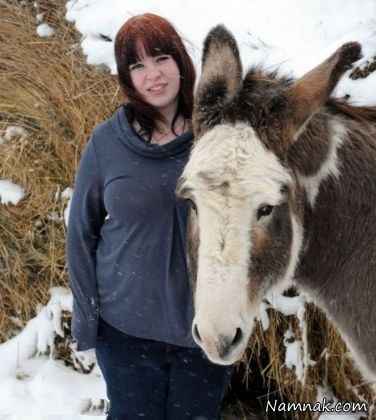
(45, 30)
(10, 193)
(14, 131)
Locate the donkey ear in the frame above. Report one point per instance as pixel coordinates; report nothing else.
(220, 78)
(309, 93)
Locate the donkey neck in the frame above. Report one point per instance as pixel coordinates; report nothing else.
(339, 179)
(338, 262)
(314, 158)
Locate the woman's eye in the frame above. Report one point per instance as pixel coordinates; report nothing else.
(136, 66)
(161, 58)
(264, 211)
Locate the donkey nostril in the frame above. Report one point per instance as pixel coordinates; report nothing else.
(238, 337)
(196, 333)
(227, 344)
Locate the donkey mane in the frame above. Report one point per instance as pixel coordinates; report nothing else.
(258, 81)
(259, 78)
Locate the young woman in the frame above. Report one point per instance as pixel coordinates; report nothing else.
(126, 238)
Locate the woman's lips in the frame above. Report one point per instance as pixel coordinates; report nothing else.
(157, 88)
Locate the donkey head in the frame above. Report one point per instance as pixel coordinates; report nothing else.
(245, 228)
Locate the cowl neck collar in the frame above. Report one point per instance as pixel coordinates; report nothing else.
(180, 145)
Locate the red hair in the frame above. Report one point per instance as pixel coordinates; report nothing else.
(157, 36)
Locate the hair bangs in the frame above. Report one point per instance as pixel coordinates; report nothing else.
(151, 43)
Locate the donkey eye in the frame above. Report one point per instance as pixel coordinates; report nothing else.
(192, 204)
(264, 211)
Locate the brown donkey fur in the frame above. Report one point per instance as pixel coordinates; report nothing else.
(283, 181)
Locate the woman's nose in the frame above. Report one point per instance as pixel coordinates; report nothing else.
(153, 72)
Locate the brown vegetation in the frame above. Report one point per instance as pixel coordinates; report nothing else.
(47, 88)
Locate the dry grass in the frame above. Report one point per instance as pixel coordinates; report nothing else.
(47, 88)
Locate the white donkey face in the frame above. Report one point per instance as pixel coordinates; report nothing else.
(245, 232)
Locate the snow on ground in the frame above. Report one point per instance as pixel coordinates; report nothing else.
(13, 131)
(67, 195)
(10, 193)
(45, 30)
(33, 384)
(294, 351)
(293, 36)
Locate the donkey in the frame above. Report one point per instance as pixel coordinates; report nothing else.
(282, 185)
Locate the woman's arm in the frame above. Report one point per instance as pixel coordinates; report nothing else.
(86, 218)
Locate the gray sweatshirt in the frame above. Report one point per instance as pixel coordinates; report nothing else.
(126, 237)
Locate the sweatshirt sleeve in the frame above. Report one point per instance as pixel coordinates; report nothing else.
(86, 216)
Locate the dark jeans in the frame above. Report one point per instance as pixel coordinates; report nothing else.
(151, 380)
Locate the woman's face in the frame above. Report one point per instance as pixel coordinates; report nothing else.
(157, 80)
